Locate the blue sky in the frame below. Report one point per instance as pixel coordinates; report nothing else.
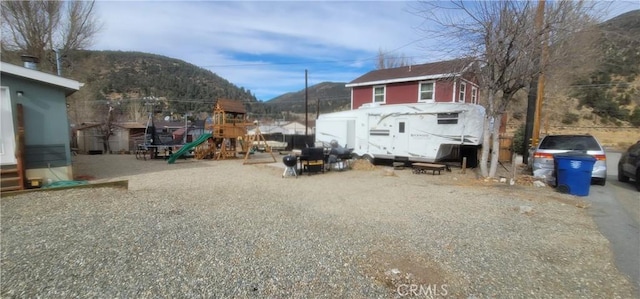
(265, 46)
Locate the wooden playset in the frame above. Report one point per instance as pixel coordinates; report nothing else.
(229, 136)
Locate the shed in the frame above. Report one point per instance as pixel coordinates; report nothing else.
(34, 109)
(124, 138)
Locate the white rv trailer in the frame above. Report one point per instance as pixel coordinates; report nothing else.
(425, 132)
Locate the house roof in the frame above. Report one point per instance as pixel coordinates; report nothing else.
(69, 86)
(427, 71)
(168, 124)
(125, 125)
(267, 129)
(231, 106)
(132, 125)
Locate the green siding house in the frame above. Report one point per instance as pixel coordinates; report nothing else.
(44, 150)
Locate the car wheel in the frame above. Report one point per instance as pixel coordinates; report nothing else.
(638, 179)
(621, 177)
(600, 181)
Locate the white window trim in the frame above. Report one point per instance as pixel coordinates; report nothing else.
(384, 94)
(433, 93)
(462, 92)
(474, 95)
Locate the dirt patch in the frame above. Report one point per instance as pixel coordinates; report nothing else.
(362, 165)
(405, 272)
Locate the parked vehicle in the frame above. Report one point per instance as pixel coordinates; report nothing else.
(426, 132)
(629, 165)
(542, 157)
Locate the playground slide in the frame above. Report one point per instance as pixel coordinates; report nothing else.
(185, 148)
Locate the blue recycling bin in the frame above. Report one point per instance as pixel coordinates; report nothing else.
(573, 172)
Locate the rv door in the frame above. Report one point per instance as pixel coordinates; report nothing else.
(401, 137)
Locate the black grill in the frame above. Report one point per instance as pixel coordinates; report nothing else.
(289, 161)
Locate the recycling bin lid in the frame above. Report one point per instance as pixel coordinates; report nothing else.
(575, 155)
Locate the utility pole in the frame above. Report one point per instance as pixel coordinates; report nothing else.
(541, 79)
(306, 105)
(532, 124)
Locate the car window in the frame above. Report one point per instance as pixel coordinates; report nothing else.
(586, 143)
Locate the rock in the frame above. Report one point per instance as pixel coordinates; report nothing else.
(526, 210)
(538, 184)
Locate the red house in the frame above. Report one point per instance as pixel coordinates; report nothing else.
(444, 81)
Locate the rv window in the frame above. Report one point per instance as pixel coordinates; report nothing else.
(401, 127)
(447, 118)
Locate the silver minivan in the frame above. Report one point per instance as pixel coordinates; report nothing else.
(541, 158)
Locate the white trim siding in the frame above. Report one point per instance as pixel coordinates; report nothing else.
(453, 92)
(398, 80)
(474, 95)
(351, 98)
(40, 76)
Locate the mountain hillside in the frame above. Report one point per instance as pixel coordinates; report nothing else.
(608, 96)
(332, 96)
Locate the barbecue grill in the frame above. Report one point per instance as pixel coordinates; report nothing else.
(290, 162)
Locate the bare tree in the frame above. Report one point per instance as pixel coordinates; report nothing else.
(40, 27)
(387, 60)
(111, 113)
(506, 42)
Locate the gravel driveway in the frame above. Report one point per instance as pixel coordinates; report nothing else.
(220, 229)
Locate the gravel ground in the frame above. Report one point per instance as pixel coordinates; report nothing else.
(220, 229)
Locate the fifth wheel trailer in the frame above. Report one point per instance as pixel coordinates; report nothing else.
(425, 132)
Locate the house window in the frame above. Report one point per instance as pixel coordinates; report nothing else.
(474, 95)
(401, 127)
(447, 118)
(463, 90)
(426, 92)
(378, 94)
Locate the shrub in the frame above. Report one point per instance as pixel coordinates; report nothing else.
(635, 117)
(570, 118)
(518, 140)
(518, 115)
(624, 99)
